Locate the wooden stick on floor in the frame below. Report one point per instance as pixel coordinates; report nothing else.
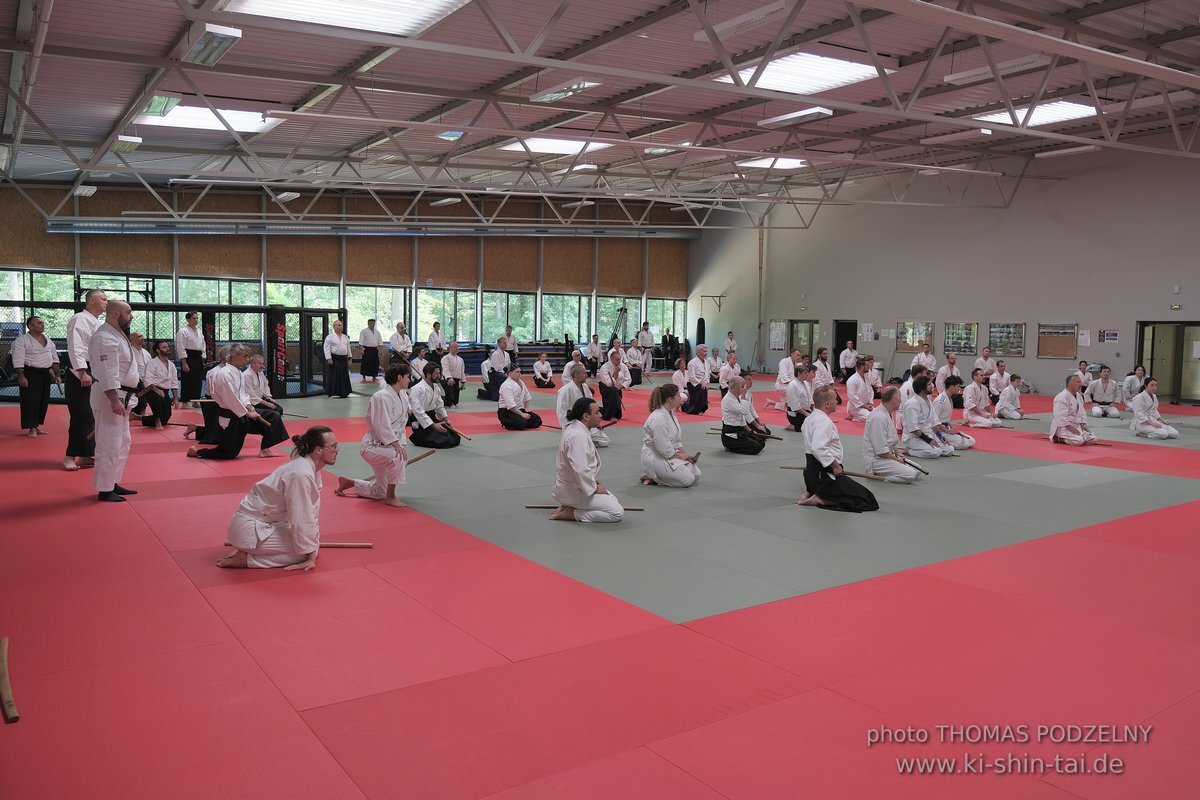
(450, 427)
(349, 545)
(751, 433)
(11, 714)
(844, 472)
(551, 508)
(426, 454)
(291, 414)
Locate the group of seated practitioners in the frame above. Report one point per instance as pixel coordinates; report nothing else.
(860, 394)
(575, 388)
(593, 355)
(977, 403)
(160, 388)
(923, 434)
(679, 378)
(233, 415)
(697, 382)
(798, 398)
(729, 369)
(401, 344)
(614, 380)
(430, 423)
(580, 494)
(1105, 395)
(437, 343)
(277, 524)
(383, 443)
(454, 375)
(664, 461)
(1008, 406)
(370, 340)
(493, 372)
(1146, 420)
(513, 410)
(881, 445)
(741, 430)
(1069, 425)
(826, 485)
(543, 373)
(337, 362)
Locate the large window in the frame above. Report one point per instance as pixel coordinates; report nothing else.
(387, 305)
(608, 317)
(454, 308)
(664, 314)
(507, 308)
(231, 327)
(301, 295)
(569, 314)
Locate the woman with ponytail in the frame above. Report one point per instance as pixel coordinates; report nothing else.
(664, 461)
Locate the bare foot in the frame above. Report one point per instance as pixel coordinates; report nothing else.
(158, 426)
(235, 560)
(563, 512)
(809, 499)
(268, 453)
(343, 485)
(33, 432)
(394, 502)
(193, 452)
(648, 481)
(69, 464)
(191, 429)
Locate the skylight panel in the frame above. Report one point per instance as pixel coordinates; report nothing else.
(562, 147)
(201, 118)
(1044, 114)
(401, 17)
(773, 163)
(806, 73)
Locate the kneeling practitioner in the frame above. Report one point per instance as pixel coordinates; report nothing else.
(860, 397)
(431, 426)
(977, 403)
(825, 481)
(162, 387)
(1146, 419)
(740, 431)
(577, 487)
(1068, 425)
(383, 443)
(879, 444)
(614, 380)
(574, 388)
(664, 461)
(543, 373)
(799, 397)
(240, 417)
(697, 382)
(514, 410)
(454, 375)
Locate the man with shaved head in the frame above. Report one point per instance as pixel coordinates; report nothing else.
(115, 373)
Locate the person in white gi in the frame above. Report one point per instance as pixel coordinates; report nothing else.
(278, 523)
(1069, 425)
(337, 362)
(161, 391)
(860, 397)
(632, 359)
(370, 339)
(946, 370)
(383, 443)
(986, 363)
(614, 380)
(257, 384)
(594, 353)
(664, 461)
(977, 403)
(416, 364)
(880, 443)
(822, 374)
(510, 344)
(431, 424)
(574, 388)
(786, 374)
(116, 379)
(401, 344)
(1104, 394)
(1085, 375)
(697, 382)
(189, 349)
(998, 381)
(1133, 383)
(730, 369)
(493, 369)
(235, 415)
(1009, 404)
(918, 423)
(1146, 419)
(580, 494)
(741, 432)
(77, 385)
(731, 344)
(872, 378)
(907, 390)
(825, 482)
(925, 359)
(848, 361)
(799, 397)
(35, 359)
(513, 410)
(141, 356)
(454, 375)
(645, 343)
(713, 365)
(679, 378)
(543, 373)
(437, 342)
(943, 410)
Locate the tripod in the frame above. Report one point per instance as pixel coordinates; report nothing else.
(622, 320)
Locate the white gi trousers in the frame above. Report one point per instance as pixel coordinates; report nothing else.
(1064, 436)
(1149, 431)
(1006, 414)
(959, 441)
(267, 544)
(388, 466)
(112, 442)
(859, 415)
(599, 508)
(647, 359)
(893, 471)
(683, 475)
(919, 449)
(1105, 411)
(980, 421)
(599, 437)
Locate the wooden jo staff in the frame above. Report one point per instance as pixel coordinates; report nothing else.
(11, 714)
(717, 432)
(844, 472)
(450, 427)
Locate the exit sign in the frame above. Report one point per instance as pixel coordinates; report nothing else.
(1176, 307)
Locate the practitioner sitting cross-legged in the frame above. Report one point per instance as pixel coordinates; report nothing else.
(1009, 404)
(383, 443)
(799, 397)
(1069, 425)
(1146, 420)
(514, 410)
(740, 431)
(277, 524)
(920, 437)
(860, 398)
(574, 388)
(943, 409)
(664, 461)
(577, 488)
(430, 424)
(906, 388)
(234, 409)
(543, 373)
(825, 481)
(1104, 394)
(977, 403)
(880, 445)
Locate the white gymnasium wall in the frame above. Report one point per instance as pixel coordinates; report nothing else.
(1102, 248)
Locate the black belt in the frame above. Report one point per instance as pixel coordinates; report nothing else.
(35, 369)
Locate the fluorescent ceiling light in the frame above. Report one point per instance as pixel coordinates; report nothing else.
(1068, 151)
(286, 197)
(957, 136)
(562, 147)
(1022, 64)
(450, 136)
(744, 22)
(662, 151)
(576, 168)
(806, 73)
(803, 115)
(127, 144)
(1044, 114)
(446, 201)
(772, 162)
(566, 89)
(83, 190)
(380, 161)
(210, 44)
(578, 204)
(402, 17)
(201, 118)
(161, 103)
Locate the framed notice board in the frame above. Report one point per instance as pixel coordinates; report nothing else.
(1057, 339)
(960, 337)
(909, 336)
(1007, 339)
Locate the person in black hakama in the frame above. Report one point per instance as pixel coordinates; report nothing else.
(189, 348)
(77, 387)
(741, 432)
(35, 359)
(825, 482)
(337, 362)
(235, 416)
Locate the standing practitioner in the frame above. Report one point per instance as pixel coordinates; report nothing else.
(848, 361)
(577, 488)
(645, 343)
(337, 362)
(370, 340)
(543, 373)
(1009, 404)
(35, 359)
(679, 378)
(574, 388)
(594, 353)
(277, 524)
(401, 344)
(614, 380)
(977, 405)
(161, 392)
(141, 358)
(825, 481)
(431, 425)
(383, 443)
(437, 343)
(514, 413)
(731, 344)
(860, 398)
(189, 349)
(798, 400)
(454, 375)
(1146, 419)
(697, 382)
(664, 461)
(116, 380)
(740, 431)
(880, 444)
(77, 388)
(510, 345)
(1069, 425)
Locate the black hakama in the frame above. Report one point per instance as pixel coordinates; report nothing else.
(158, 409)
(337, 377)
(610, 397)
(697, 399)
(635, 376)
(737, 439)
(79, 403)
(191, 379)
(35, 398)
(369, 366)
(491, 388)
(451, 387)
(543, 383)
(228, 439)
(796, 421)
(513, 421)
(842, 492)
(433, 438)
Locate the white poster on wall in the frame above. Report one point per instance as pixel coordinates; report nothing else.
(1085, 338)
(868, 331)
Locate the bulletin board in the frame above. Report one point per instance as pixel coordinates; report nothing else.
(1006, 339)
(960, 337)
(909, 336)
(1057, 339)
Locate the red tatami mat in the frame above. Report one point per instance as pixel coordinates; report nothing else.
(519, 608)
(476, 734)
(56, 537)
(203, 723)
(636, 775)
(1171, 530)
(829, 635)
(325, 637)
